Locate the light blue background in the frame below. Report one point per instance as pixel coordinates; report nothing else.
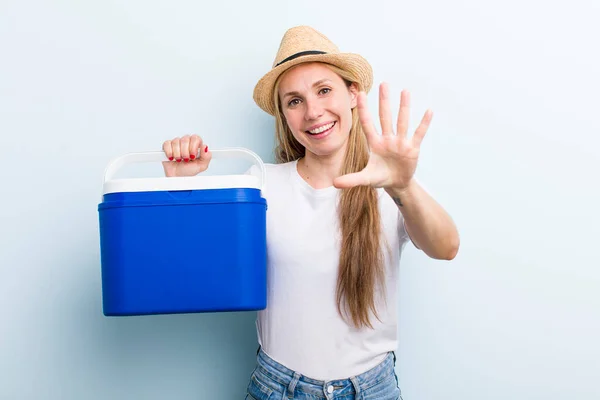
(512, 153)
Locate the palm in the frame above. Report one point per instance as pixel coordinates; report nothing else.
(393, 158)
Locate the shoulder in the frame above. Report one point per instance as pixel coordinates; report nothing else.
(283, 168)
(271, 168)
(276, 175)
(274, 171)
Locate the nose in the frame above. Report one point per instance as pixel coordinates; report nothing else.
(313, 110)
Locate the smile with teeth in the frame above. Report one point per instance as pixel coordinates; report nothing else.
(321, 129)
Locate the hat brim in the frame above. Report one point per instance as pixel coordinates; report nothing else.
(355, 64)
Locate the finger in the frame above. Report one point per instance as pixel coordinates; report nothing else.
(185, 148)
(352, 180)
(176, 149)
(365, 117)
(403, 113)
(422, 128)
(195, 145)
(168, 149)
(206, 156)
(385, 114)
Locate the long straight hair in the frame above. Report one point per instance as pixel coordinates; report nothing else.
(360, 270)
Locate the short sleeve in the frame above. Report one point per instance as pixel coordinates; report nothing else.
(253, 170)
(402, 232)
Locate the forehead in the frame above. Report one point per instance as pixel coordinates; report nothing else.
(303, 76)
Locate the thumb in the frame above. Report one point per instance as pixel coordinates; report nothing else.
(351, 180)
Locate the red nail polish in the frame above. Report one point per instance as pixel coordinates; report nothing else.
(170, 158)
(186, 159)
(179, 160)
(206, 149)
(192, 156)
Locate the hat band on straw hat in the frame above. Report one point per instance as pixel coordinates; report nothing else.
(300, 54)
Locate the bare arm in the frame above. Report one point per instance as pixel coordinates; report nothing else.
(429, 226)
(392, 164)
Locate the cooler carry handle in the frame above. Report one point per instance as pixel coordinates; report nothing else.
(159, 156)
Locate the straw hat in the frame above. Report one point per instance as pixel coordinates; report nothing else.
(304, 44)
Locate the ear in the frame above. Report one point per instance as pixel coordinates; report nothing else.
(353, 90)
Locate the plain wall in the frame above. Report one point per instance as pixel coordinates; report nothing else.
(512, 154)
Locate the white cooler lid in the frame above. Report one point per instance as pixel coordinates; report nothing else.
(198, 182)
(181, 183)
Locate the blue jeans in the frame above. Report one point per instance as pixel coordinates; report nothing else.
(273, 381)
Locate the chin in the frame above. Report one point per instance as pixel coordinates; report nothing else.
(326, 149)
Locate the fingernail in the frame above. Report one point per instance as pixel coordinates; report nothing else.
(206, 149)
(186, 159)
(179, 160)
(170, 158)
(192, 156)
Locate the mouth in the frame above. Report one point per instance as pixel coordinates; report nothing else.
(322, 130)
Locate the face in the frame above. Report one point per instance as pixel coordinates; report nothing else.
(317, 106)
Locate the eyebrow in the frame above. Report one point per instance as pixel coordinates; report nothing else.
(317, 83)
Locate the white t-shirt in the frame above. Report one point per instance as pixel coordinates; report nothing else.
(301, 327)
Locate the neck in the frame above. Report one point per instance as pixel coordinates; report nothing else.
(320, 171)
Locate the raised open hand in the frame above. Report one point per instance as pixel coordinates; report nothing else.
(393, 158)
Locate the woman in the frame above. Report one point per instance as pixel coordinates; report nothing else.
(343, 201)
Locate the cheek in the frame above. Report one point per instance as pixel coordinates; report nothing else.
(346, 116)
(292, 122)
(344, 110)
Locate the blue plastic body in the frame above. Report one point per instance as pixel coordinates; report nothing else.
(183, 251)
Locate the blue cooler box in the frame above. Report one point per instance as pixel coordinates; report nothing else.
(183, 244)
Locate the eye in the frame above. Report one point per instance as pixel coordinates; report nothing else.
(293, 102)
(325, 90)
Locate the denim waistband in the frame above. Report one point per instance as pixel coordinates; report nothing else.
(296, 381)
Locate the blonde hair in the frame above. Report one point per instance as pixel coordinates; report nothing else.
(360, 270)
